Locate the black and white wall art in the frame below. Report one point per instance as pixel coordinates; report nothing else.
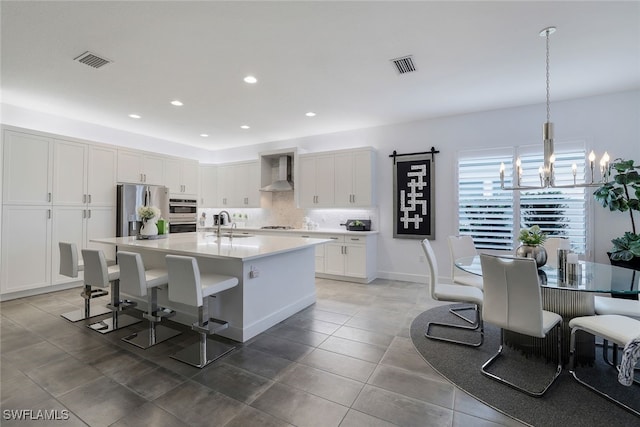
(413, 187)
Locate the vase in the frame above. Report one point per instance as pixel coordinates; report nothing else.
(149, 227)
(537, 252)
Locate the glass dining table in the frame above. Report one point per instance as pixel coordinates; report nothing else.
(569, 296)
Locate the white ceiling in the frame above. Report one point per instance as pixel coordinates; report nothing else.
(329, 57)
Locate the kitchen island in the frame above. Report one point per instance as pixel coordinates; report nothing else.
(275, 274)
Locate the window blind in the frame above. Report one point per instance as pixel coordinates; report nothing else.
(487, 213)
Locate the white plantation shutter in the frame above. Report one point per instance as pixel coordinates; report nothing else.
(484, 211)
(487, 213)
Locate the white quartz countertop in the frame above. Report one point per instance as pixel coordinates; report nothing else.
(206, 244)
(295, 231)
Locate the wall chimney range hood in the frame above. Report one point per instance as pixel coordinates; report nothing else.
(283, 181)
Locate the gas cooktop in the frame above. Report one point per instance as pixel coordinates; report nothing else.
(277, 227)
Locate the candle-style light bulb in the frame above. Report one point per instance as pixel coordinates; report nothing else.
(552, 159)
(541, 175)
(574, 169)
(592, 158)
(502, 174)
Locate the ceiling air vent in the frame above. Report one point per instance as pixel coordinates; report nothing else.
(404, 64)
(92, 60)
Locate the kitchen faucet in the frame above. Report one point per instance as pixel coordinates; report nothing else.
(220, 220)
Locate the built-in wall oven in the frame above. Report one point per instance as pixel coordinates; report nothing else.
(183, 215)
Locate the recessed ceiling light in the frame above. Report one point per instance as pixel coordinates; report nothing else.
(250, 80)
(177, 103)
(244, 127)
(310, 114)
(204, 135)
(134, 116)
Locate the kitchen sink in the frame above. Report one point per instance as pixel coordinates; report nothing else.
(237, 235)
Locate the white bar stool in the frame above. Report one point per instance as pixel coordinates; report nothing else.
(135, 280)
(188, 286)
(97, 273)
(70, 266)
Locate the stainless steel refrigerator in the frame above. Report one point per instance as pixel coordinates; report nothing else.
(130, 198)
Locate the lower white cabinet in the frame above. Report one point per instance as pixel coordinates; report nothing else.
(346, 257)
(30, 236)
(26, 248)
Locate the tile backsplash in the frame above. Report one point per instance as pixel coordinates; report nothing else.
(283, 211)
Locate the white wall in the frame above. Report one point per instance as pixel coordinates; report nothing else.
(606, 123)
(609, 122)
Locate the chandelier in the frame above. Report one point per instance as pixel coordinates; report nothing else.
(546, 171)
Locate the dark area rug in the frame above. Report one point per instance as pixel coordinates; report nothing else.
(566, 403)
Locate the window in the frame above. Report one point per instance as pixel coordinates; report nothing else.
(487, 213)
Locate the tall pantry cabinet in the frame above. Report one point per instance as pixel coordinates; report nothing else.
(52, 190)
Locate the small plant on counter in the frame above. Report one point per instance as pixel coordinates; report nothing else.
(532, 236)
(148, 212)
(356, 223)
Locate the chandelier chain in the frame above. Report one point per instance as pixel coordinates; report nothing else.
(548, 85)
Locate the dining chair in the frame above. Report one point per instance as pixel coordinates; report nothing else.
(551, 245)
(459, 247)
(623, 307)
(453, 293)
(620, 330)
(513, 302)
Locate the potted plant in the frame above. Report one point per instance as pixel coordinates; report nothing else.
(149, 216)
(621, 194)
(532, 239)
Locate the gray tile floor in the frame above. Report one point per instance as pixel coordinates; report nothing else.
(346, 361)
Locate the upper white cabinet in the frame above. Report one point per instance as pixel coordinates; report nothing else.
(27, 169)
(140, 168)
(102, 167)
(83, 174)
(354, 178)
(238, 185)
(337, 179)
(208, 190)
(316, 181)
(181, 176)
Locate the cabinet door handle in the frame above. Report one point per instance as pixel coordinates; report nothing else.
(48, 197)
(48, 213)
(84, 198)
(88, 213)
(333, 238)
(89, 198)
(305, 237)
(355, 239)
(84, 213)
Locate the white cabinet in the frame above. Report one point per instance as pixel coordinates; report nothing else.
(351, 256)
(79, 225)
(338, 179)
(354, 178)
(140, 168)
(238, 185)
(208, 190)
(79, 184)
(102, 166)
(26, 248)
(316, 181)
(69, 170)
(27, 169)
(181, 176)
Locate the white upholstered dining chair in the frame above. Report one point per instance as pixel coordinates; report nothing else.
(513, 302)
(459, 247)
(453, 293)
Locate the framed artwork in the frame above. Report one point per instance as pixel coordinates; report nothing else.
(413, 196)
